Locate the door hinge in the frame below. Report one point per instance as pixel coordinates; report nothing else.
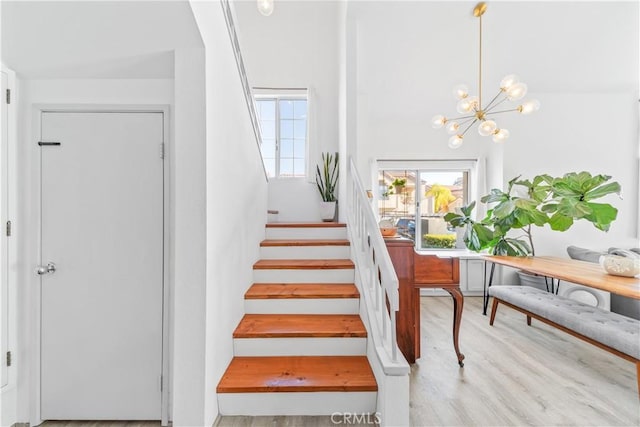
(162, 150)
(8, 96)
(161, 382)
(8, 229)
(8, 358)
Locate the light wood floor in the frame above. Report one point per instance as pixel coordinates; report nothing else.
(514, 375)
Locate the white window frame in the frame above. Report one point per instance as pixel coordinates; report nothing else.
(292, 94)
(473, 190)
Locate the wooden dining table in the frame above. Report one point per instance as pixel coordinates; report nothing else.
(570, 270)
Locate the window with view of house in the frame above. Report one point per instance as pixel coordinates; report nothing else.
(283, 125)
(416, 199)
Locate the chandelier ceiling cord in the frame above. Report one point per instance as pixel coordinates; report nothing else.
(472, 109)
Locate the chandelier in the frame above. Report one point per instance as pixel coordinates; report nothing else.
(474, 111)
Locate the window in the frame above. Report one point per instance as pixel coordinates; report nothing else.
(283, 123)
(417, 197)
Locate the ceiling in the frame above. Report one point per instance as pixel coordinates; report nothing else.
(95, 39)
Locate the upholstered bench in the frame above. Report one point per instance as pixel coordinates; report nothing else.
(610, 331)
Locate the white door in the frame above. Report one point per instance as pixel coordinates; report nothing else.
(102, 227)
(4, 242)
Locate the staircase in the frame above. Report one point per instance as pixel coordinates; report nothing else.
(300, 349)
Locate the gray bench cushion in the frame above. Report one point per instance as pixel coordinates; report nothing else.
(612, 329)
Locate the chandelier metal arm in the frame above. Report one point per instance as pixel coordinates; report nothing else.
(469, 127)
(480, 64)
(488, 110)
(502, 111)
(464, 122)
(462, 117)
(489, 105)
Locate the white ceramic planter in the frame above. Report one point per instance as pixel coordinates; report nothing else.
(327, 211)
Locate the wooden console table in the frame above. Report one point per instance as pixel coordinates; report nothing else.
(417, 271)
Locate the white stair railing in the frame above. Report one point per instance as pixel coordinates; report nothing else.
(248, 93)
(377, 276)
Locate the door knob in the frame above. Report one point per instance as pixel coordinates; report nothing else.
(45, 269)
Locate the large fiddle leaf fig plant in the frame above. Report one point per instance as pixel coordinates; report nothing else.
(558, 202)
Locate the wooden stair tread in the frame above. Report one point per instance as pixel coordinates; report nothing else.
(303, 264)
(305, 224)
(298, 374)
(300, 325)
(305, 242)
(301, 291)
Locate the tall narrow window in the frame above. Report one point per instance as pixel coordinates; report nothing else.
(283, 123)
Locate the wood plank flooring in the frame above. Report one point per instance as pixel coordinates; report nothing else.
(514, 375)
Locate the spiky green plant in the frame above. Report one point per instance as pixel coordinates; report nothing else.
(327, 180)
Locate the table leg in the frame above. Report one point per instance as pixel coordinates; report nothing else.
(485, 293)
(458, 304)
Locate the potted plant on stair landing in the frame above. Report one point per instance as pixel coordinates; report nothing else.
(558, 202)
(327, 182)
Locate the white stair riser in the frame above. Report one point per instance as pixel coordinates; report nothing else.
(300, 346)
(306, 233)
(302, 306)
(303, 276)
(305, 252)
(305, 403)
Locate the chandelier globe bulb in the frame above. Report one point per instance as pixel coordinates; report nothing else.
(265, 7)
(508, 81)
(517, 91)
(487, 128)
(452, 128)
(460, 91)
(455, 141)
(500, 135)
(530, 106)
(438, 121)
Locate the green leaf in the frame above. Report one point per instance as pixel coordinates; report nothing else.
(466, 210)
(573, 208)
(559, 222)
(530, 216)
(511, 183)
(519, 247)
(603, 190)
(504, 209)
(602, 215)
(495, 196)
(527, 204)
(471, 240)
(484, 233)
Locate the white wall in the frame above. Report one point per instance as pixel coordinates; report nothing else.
(596, 132)
(30, 92)
(190, 246)
(236, 202)
(297, 46)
